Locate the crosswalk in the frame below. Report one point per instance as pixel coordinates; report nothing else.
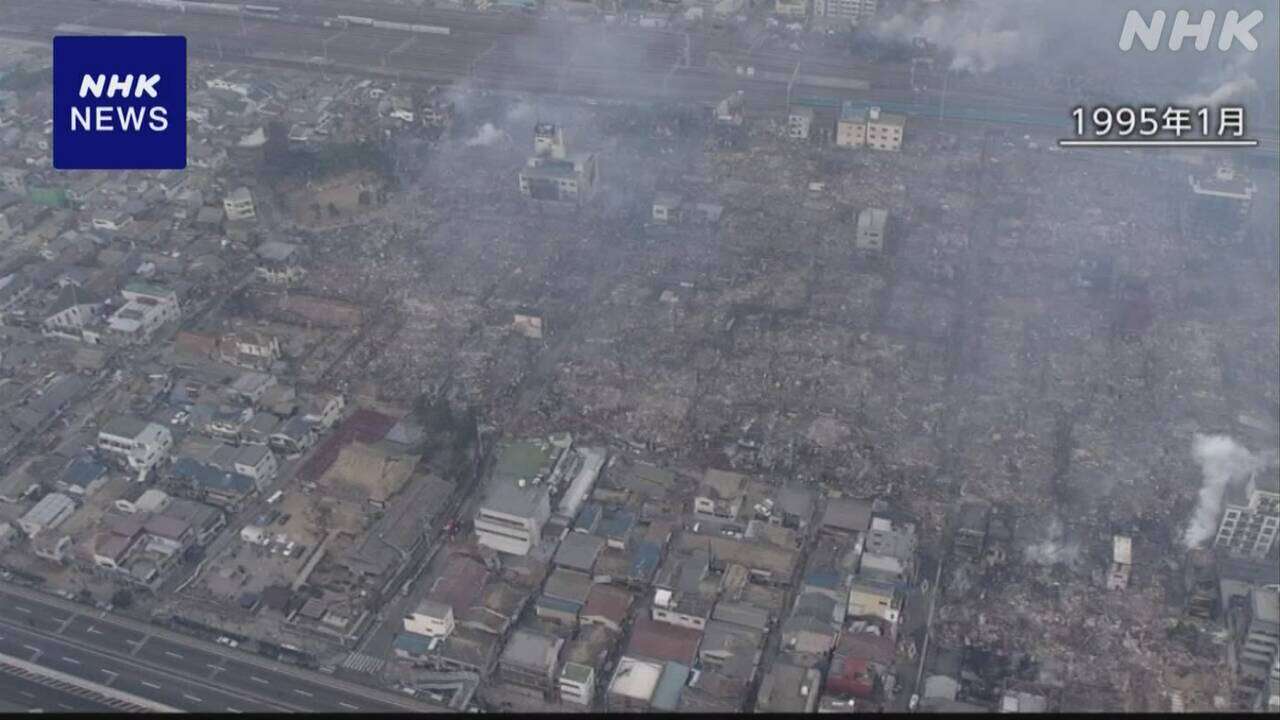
(363, 663)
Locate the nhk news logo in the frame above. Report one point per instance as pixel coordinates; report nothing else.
(119, 102)
(1235, 28)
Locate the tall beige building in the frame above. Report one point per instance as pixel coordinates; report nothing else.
(853, 12)
(791, 8)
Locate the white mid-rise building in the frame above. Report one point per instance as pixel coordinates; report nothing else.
(577, 683)
(238, 204)
(137, 443)
(512, 516)
(1251, 515)
(430, 618)
(147, 308)
(799, 122)
(884, 130)
(871, 225)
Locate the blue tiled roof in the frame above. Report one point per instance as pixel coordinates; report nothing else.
(589, 518)
(210, 477)
(666, 696)
(823, 578)
(644, 559)
(82, 472)
(617, 523)
(412, 643)
(557, 604)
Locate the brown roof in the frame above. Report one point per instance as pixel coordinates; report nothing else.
(661, 641)
(111, 545)
(608, 602)
(865, 646)
(460, 583)
(195, 343)
(167, 527)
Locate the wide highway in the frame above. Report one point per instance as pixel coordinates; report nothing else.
(168, 668)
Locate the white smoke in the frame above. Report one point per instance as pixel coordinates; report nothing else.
(521, 111)
(1229, 90)
(981, 36)
(1234, 82)
(1053, 549)
(1223, 462)
(487, 135)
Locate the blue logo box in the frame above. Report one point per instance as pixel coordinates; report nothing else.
(119, 103)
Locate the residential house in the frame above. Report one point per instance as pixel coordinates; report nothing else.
(280, 263)
(814, 624)
(82, 477)
(720, 494)
(788, 688)
(324, 410)
(250, 348)
(147, 308)
(577, 684)
(1121, 562)
(293, 437)
(431, 619)
(666, 208)
(563, 596)
(206, 483)
(531, 660)
(52, 510)
(608, 606)
(579, 551)
(71, 312)
(138, 444)
(872, 597)
(890, 547)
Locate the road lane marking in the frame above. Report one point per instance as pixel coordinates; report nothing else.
(27, 694)
(172, 654)
(153, 686)
(19, 608)
(257, 679)
(93, 630)
(192, 698)
(303, 692)
(213, 667)
(348, 706)
(32, 649)
(231, 709)
(71, 660)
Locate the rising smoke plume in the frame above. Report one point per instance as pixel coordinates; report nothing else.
(1223, 462)
(486, 135)
(1041, 38)
(1054, 548)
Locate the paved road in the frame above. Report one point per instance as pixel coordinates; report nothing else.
(25, 694)
(167, 668)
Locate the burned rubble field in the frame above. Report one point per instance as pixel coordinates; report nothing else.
(968, 351)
